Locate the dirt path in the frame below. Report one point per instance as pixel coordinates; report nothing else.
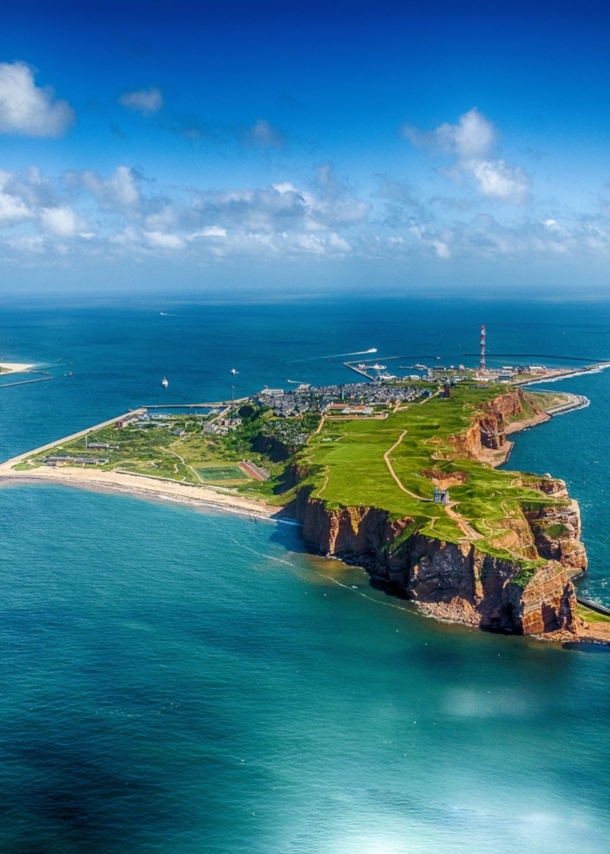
(468, 531)
(184, 463)
(324, 485)
(318, 428)
(386, 457)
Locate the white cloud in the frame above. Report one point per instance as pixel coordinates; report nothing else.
(120, 191)
(29, 243)
(61, 221)
(163, 220)
(282, 221)
(12, 208)
(283, 207)
(262, 133)
(339, 244)
(471, 142)
(28, 109)
(499, 179)
(146, 101)
(158, 240)
(210, 231)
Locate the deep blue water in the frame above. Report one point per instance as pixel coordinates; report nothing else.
(173, 680)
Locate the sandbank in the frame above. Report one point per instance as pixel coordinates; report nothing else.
(14, 368)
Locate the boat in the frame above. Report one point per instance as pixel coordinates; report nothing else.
(164, 382)
(233, 371)
(68, 374)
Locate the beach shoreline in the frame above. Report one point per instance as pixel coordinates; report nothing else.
(9, 368)
(199, 495)
(140, 486)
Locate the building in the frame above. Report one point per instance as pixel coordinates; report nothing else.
(124, 422)
(441, 496)
(73, 461)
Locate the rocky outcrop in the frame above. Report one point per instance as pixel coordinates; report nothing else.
(531, 593)
(453, 581)
(468, 443)
(489, 429)
(556, 530)
(510, 403)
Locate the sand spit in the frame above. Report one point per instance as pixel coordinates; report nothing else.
(14, 368)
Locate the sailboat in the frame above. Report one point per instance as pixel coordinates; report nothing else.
(164, 382)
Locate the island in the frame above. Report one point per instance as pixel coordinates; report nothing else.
(399, 477)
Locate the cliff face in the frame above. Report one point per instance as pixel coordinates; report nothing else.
(529, 594)
(556, 530)
(451, 580)
(488, 430)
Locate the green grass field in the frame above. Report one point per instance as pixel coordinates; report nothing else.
(345, 465)
(217, 473)
(347, 468)
(590, 616)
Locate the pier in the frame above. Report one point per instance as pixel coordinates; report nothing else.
(353, 367)
(219, 403)
(25, 382)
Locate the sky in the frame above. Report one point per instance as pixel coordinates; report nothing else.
(293, 146)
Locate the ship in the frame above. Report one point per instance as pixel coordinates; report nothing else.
(164, 382)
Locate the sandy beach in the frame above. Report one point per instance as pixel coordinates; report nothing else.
(14, 368)
(125, 482)
(139, 485)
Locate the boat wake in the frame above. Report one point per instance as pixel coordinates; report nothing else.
(333, 356)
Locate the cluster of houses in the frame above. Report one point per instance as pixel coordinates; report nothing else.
(289, 432)
(145, 420)
(348, 399)
(221, 426)
(61, 460)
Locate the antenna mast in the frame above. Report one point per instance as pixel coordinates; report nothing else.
(482, 361)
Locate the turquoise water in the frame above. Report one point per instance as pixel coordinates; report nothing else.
(174, 680)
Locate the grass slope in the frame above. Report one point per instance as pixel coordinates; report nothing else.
(347, 468)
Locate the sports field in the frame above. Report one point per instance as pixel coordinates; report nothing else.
(215, 473)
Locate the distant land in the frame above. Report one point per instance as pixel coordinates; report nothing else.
(397, 475)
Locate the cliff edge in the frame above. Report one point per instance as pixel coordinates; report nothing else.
(499, 557)
(453, 581)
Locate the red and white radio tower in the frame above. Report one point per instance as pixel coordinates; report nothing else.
(482, 362)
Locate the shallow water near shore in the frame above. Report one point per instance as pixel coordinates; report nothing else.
(187, 681)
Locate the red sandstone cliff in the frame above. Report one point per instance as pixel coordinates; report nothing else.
(456, 581)
(450, 580)
(489, 429)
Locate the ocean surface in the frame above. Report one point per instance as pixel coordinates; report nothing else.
(174, 680)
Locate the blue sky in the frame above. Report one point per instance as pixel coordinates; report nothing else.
(413, 144)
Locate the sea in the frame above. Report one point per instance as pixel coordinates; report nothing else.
(175, 679)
